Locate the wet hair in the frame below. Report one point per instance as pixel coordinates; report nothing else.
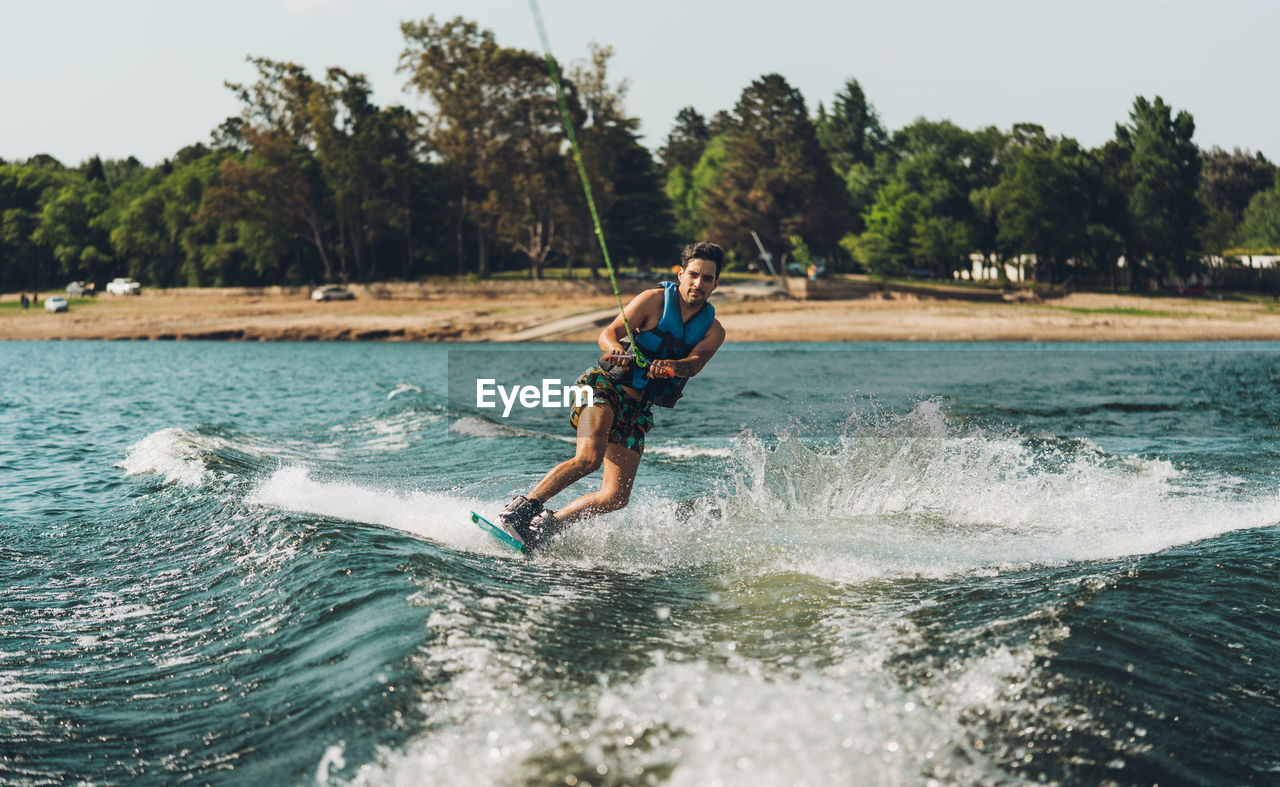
(703, 250)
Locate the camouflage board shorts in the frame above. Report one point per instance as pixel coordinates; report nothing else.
(631, 419)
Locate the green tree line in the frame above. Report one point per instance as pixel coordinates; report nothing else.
(312, 181)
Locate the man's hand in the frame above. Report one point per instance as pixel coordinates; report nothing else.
(620, 359)
(661, 370)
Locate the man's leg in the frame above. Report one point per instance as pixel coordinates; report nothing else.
(593, 435)
(620, 465)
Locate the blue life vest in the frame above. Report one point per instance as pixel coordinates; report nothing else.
(671, 339)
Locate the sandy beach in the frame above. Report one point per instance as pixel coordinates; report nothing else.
(572, 311)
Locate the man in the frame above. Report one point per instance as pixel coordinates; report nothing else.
(676, 330)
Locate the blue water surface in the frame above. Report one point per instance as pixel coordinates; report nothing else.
(843, 563)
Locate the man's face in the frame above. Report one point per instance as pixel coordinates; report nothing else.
(697, 281)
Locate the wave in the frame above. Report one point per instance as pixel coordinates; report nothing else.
(916, 497)
(829, 712)
(386, 433)
(911, 495)
(439, 517)
(691, 724)
(919, 495)
(191, 458)
(171, 453)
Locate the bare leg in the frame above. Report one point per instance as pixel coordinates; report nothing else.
(620, 465)
(593, 434)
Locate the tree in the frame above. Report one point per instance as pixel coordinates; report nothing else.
(70, 228)
(93, 170)
(775, 178)
(159, 237)
(342, 118)
(854, 140)
(851, 134)
(687, 189)
(1111, 209)
(280, 184)
(499, 130)
(1228, 182)
(886, 245)
(497, 127)
(625, 181)
(452, 64)
(873, 252)
(1043, 205)
(639, 224)
(1165, 166)
(923, 212)
(277, 188)
(25, 264)
(412, 189)
(1260, 228)
(686, 142)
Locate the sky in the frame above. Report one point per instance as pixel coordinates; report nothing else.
(145, 78)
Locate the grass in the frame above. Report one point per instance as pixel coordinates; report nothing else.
(16, 306)
(1126, 311)
(580, 272)
(939, 284)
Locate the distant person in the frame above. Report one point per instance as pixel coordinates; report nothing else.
(26, 304)
(677, 331)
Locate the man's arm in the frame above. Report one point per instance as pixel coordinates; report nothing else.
(698, 357)
(644, 312)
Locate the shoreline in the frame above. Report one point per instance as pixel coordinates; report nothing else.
(564, 311)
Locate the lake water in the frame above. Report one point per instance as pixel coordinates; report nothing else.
(894, 564)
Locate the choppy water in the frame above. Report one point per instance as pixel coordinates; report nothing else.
(974, 563)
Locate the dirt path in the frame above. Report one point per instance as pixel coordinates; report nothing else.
(460, 315)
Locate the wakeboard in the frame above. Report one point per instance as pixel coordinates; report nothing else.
(497, 533)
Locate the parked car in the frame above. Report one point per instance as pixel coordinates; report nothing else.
(77, 289)
(55, 303)
(124, 287)
(331, 292)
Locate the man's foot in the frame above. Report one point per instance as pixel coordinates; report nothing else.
(539, 530)
(516, 516)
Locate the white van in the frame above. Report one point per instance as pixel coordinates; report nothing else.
(124, 287)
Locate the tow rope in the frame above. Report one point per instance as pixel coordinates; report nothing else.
(641, 361)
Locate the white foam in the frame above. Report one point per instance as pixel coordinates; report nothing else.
(387, 433)
(403, 388)
(171, 453)
(686, 451)
(331, 759)
(916, 497)
(916, 501)
(439, 517)
(922, 499)
(479, 427)
(734, 720)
